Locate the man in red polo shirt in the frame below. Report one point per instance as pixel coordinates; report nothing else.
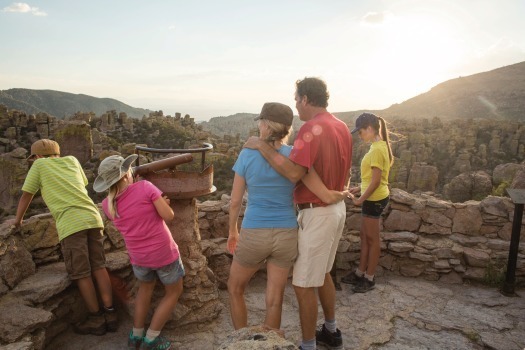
(324, 143)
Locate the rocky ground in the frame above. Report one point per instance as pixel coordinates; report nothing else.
(401, 313)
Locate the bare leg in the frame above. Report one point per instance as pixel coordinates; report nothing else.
(104, 286)
(142, 303)
(363, 256)
(277, 277)
(307, 310)
(327, 297)
(165, 308)
(373, 242)
(237, 282)
(333, 273)
(88, 293)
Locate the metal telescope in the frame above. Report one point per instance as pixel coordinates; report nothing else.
(158, 165)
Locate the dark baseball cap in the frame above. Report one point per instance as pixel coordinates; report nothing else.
(364, 120)
(276, 112)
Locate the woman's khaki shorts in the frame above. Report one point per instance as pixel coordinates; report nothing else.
(320, 229)
(83, 253)
(275, 245)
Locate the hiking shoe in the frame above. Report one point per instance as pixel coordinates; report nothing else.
(159, 343)
(134, 342)
(330, 340)
(94, 324)
(364, 286)
(351, 278)
(111, 320)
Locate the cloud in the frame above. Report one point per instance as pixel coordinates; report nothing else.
(171, 27)
(22, 7)
(376, 18)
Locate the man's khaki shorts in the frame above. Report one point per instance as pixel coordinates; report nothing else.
(320, 229)
(83, 253)
(275, 245)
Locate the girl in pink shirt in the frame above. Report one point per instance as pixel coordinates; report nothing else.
(139, 211)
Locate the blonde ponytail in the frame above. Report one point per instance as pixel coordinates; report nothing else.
(112, 201)
(112, 196)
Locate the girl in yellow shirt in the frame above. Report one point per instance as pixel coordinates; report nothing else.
(375, 167)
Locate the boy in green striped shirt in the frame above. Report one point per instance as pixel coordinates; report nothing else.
(62, 183)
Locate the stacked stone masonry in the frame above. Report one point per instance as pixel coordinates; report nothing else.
(422, 237)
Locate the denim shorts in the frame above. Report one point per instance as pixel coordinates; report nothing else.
(167, 274)
(374, 209)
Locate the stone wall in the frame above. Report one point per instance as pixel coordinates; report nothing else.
(38, 301)
(422, 236)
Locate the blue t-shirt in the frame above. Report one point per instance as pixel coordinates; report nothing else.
(270, 195)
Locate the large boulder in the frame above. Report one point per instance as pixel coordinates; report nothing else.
(423, 178)
(476, 185)
(13, 170)
(505, 173)
(75, 139)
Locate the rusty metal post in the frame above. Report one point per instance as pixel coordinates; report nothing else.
(518, 198)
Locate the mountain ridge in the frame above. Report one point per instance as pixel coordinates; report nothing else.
(62, 104)
(498, 93)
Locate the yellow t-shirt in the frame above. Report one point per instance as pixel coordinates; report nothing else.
(376, 157)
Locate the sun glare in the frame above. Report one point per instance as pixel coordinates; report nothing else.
(417, 51)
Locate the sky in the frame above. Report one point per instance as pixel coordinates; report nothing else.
(217, 58)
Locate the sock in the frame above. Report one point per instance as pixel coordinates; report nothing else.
(369, 277)
(308, 344)
(359, 273)
(110, 308)
(331, 325)
(138, 332)
(151, 335)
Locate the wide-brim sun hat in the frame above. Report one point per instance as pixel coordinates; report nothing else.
(111, 170)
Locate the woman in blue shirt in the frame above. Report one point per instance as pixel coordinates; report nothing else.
(269, 226)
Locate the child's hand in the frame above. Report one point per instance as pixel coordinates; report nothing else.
(13, 225)
(354, 190)
(166, 199)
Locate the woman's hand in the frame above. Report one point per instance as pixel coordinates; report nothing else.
(233, 238)
(348, 194)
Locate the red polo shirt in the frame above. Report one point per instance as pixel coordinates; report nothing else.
(325, 143)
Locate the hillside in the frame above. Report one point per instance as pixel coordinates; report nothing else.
(61, 104)
(499, 93)
(239, 123)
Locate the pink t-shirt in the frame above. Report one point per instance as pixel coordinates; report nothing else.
(325, 143)
(148, 239)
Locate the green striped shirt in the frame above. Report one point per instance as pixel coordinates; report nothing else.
(63, 185)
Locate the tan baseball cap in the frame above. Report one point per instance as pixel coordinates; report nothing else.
(276, 112)
(44, 147)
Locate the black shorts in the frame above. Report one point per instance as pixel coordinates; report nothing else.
(374, 209)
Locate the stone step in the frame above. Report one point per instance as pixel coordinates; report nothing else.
(18, 319)
(47, 282)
